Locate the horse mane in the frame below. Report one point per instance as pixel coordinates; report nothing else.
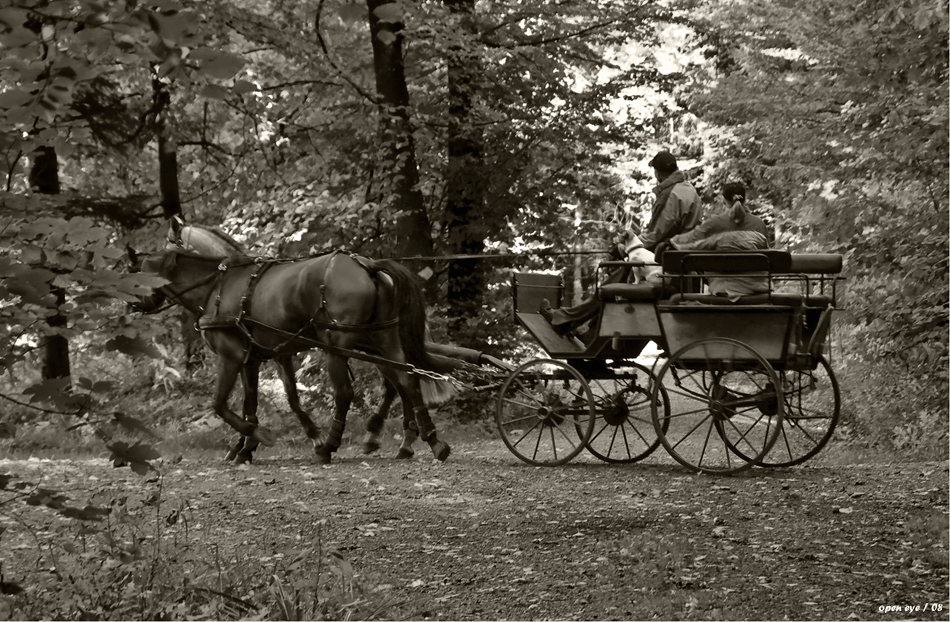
(207, 240)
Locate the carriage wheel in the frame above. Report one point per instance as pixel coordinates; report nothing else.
(725, 406)
(545, 412)
(623, 427)
(812, 408)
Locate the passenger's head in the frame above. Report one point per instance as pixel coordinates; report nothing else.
(734, 194)
(664, 165)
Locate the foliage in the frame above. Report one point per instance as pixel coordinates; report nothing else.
(79, 258)
(138, 556)
(838, 115)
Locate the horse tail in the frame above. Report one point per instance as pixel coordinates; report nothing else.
(411, 308)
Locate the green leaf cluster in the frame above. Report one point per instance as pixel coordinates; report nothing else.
(839, 116)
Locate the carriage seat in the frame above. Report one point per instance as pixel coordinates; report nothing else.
(782, 299)
(629, 291)
(816, 263)
(821, 265)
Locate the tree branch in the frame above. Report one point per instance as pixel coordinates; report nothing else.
(326, 52)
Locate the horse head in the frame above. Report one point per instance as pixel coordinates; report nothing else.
(143, 262)
(174, 237)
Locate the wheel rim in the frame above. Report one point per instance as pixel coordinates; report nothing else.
(725, 406)
(812, 410)
(545, 412)
(623, 427)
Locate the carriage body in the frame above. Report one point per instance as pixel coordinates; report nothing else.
(752, 371)
(787, 325)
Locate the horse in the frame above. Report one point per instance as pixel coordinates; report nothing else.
(351, 307)
(212, 241)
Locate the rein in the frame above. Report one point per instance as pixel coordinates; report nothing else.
(176, 297)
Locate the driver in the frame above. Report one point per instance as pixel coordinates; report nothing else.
(677, 209)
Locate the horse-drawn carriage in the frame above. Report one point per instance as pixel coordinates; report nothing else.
(746, 381)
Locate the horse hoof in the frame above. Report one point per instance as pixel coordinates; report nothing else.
(441, 450)
(370, 447)
(404, 453)
(231, 455)
(264, 436)
(242, 458)
(324, 454)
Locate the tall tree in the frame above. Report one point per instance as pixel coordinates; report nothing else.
(398, 179)
(44, 178)
(465, 231)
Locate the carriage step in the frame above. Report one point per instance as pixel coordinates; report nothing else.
(556, 345)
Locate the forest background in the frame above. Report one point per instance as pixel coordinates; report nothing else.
(433, 129)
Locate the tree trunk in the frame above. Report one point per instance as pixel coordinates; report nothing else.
(464, 223)
(167, 156)
(412, 229)
(44, 178)
(171, 207)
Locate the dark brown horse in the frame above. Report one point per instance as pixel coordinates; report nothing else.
(251, 311)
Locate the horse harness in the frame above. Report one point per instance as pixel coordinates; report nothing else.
(223, 313)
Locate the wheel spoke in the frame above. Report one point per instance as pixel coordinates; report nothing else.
(544, 412)
(726, 406)
(624, 431)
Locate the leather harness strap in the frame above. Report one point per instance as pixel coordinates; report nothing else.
(243, 319)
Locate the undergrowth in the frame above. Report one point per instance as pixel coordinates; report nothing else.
(136, 556)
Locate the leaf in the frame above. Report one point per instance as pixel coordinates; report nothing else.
(242, 87)
(386, 37)
(135, 457)
(213, 91)
(49, 498)
(88, 513)
(54, 390)
(224, 67)
(7, 430)
(342, 563)
(133, 346)
(132, 424)
(390, 12)
(13, 98)
(171, 26)
(99, 386)
(352, 13)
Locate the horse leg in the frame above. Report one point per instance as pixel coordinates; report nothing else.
(375, 423)
(416, 420)
(410, 432)
(339, 375)
(440, 449)
(228, 370)
(235, 449)
(250, 373)
(286, 367)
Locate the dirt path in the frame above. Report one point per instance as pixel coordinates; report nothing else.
(486, 537)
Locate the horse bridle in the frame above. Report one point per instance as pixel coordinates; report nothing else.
(172, 297)
(177, 297)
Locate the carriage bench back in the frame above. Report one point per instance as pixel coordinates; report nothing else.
(786, 327)
(818, 276)
(764, 322)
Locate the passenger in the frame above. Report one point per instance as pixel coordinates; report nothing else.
(736, 230)
(677, 209)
